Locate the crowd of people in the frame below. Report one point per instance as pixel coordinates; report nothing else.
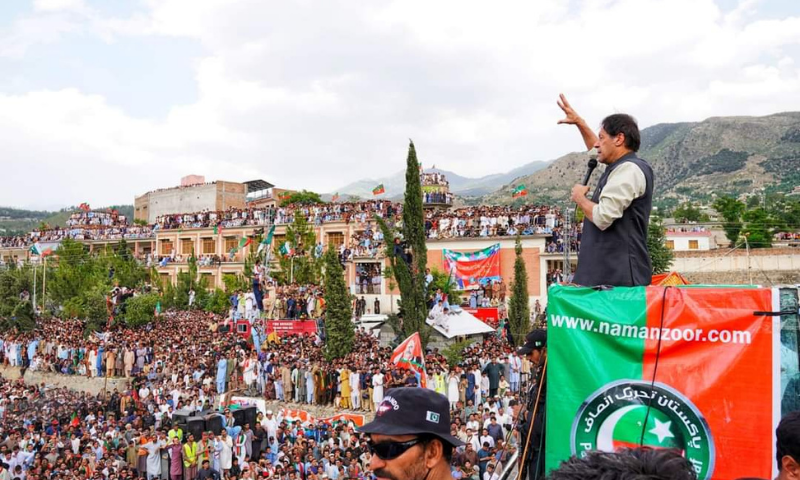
(109, 218)
(490, 221)
(188, 359)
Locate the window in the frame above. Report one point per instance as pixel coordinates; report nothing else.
(335, 239)
(187, 245)
(166, 247)
(230, 243)
(693, 245)
(671, 244)
(368, 278)
(208, 246)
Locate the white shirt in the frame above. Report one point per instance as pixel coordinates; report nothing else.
(624, 185)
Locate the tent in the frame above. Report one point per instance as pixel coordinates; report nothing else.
(461, 324)
(670, 279)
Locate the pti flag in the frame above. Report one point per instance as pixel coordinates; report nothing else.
(286, 249)
(409, 355)
(685, 368)
(36, 249)
(473, 268)
(335, 197)
(378, 190)
(520, 191)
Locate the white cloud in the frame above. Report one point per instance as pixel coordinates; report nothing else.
(317, 94)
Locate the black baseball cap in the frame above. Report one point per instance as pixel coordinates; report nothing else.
(411, 411)
(535, 340)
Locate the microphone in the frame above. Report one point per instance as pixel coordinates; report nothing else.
(590, 166)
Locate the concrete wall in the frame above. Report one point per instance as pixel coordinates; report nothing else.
(141, 208)
(761, 261)
(74, 382)
(681, 242)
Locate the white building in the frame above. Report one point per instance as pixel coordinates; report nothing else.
(684, 241)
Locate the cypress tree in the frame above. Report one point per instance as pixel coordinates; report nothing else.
(519, 312)
(660, 256)
(409, 273)
(414, 235)
(338, 324)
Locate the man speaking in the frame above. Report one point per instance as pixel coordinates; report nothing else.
(614, 239)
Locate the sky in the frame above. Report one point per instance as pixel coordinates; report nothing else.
(103, 100)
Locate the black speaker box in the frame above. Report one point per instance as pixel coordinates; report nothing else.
(214, 423)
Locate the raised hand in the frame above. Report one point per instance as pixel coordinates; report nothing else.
(571, 118)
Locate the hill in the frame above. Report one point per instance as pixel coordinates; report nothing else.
(465, 186)
(16, 221)
(692, 161)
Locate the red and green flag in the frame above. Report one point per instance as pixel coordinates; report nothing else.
(335, 197)
(217, 229)
(84, 206)
(519, 191)
(378, 190)
(408, 355)
(37, 249)
(701, 378)
(245, 241)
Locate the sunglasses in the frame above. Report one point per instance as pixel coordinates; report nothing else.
(391, 450)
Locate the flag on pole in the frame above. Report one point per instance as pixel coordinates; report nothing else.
(267, 241)
(84, 206)
(217, 229)
(245, 241)
(409, 355)
(335, 197)
(378, 190)
(286, 249)
(520, 191)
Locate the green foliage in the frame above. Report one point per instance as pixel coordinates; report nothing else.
(661, 257)
(306, 267)
(453, 353)
(759, 228)
(217, 302)
(303, 197)
(178, 296)
(731, 211)
(338, 322)
(689, 213)
(724, 161)
(140, 222)
(140, 310)
(519, 312)
(442, 281)
(234, 282)
(410, 276)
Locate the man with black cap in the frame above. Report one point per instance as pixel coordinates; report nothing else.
(410, 436)
(532, 429)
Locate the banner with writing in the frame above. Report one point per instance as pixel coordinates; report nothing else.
(665, 367)
(473, 268)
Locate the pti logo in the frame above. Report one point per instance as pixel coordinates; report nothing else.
(630, 413)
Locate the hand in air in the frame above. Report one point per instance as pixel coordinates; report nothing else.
(572, 117)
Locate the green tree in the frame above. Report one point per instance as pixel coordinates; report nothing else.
(303, 197)
(689, 213)
(731, 211)
(140, 310)
(338, 316)
(14, 311)
(661, 257)
(759, 228)
(408, 265)
(519, 312)
(303, 266)
(442, 281)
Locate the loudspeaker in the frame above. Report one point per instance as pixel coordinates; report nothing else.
(195, 426)
(214, 423)
(179, 417)
(238, 417)
(250, 414)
